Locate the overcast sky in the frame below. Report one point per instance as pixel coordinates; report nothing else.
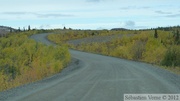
(90, 14)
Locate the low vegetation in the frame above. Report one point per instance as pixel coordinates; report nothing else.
(23, 60)
(160, 47)
(63, 36)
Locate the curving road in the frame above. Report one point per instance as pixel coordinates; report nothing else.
(98, 39)
(95, 77)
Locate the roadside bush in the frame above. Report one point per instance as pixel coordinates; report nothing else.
(172, 57)
(154, 51)
(121, 51)
(137, 50)
(23, 60)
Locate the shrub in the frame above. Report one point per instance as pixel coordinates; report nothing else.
(155, 34)
(172, 57)
(137, 50)
(23, 60)
(154, 51)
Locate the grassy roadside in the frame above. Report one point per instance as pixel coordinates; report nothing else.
(175, 70)
(143, 46)
(23, 60)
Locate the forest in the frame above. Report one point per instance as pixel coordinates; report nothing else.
(23, 60)
(159, 46)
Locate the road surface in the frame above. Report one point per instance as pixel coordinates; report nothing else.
(98, 39)
(96, 78)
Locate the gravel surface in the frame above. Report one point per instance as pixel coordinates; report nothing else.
(97, 39)
(93, 77)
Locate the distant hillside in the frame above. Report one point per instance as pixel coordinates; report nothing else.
(4, 30)
(119, 29)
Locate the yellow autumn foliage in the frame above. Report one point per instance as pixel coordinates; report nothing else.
(23, 60)
(142, 46)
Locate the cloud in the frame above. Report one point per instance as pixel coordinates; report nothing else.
(97, 0)
(162, 12)
(14, 13)
(53, 15)
(173, 15)
(145, 7)
(130, 24)
(134, 7)
(39, 15)
(44, 26)
(128, 7)
(168, 14)
(93, 0)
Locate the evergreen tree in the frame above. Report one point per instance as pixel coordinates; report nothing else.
(24, 29)
(155, 34)
(10, 30)
(177, 37)
(19, 29)
(64, 28)
(29, 28)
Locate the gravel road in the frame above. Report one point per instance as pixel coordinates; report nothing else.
(92, 77)
(97, 39)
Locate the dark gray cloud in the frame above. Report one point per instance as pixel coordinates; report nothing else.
(162, 12)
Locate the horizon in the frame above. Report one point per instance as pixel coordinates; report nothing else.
(26, 29)
(90, 14)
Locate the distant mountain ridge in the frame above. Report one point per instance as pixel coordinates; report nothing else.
(119, 29)
(5, 29)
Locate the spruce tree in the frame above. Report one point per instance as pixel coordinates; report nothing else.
(19, 29)
(155, 34)
(177, 37)
(29, 28)
(10, 30)
(64, 28)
